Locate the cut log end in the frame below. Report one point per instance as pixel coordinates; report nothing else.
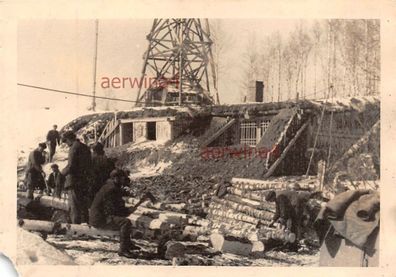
(217, 241)
(174, 250)
(258, 247)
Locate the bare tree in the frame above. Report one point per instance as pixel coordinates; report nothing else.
(251, 62)
(316, 34)
(300, 45)
(277, 41)
(221, 45)
(289, 67)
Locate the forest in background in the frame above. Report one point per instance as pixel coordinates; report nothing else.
(318, 59)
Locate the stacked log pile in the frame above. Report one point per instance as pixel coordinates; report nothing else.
(153, 222)
(240, 218)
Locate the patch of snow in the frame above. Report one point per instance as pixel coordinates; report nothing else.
(179, 148)
(147, 144)
(32, 249)
(147, 170)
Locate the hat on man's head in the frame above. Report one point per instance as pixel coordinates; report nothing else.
(271, 195)
(117, 173)
(98, 148)
(43, 145)
(68, 135)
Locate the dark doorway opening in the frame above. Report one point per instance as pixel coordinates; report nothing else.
(151, 130)
(127, 133)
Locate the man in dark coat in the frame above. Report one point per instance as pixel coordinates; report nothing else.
(290, 207)
(55, 181)
(101, 166)
(34, 172)
(78, 175)
(53, 139)
(108, 210)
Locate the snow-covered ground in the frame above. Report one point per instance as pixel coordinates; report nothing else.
(32, 249)
(91, 252)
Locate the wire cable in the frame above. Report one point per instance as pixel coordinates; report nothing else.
(75, 93)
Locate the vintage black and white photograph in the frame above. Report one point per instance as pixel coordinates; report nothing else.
(198, 141)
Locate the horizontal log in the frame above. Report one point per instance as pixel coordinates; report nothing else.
(227, 229)
(234, 246)
(305, 183)
(259, 214)
(173, 219)
(272, 233)
(195, 231)
(277, 186)
(65, 228)
(229, 221)
(219, 210)
(158, 205)
(141, 221)
(146, 211)
(255, 196)
(198, 221)
(156, 235)
(264, 206)
(47, 201)
(253, 234)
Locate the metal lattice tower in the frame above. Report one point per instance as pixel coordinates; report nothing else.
(178, 55)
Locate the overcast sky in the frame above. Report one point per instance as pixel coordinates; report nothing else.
(59, 54)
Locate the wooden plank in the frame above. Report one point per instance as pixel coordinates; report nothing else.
(219, 132)
(284, 152)
(148, 119)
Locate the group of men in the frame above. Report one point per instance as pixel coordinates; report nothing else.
(95, 195)
(92, 183)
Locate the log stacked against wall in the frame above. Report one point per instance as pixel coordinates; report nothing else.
(243, 214)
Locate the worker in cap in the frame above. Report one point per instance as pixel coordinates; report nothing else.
(289, 209)
(98, 148)
(68, 136)
(78, 173)
(53, 139)
(101, 168)
(43, 145)
(34, 177)
(108, 211)
(55, 181)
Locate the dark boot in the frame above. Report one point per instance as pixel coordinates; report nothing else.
(134, 247)
(126, 254)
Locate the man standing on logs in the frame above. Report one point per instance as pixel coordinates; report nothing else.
(34, 173)
(101, 166)
(55, 181)
(78, 174)
(108, 211)
(53, 139)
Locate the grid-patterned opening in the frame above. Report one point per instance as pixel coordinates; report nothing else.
(263, 127)
(249, 133)
(252, 132)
